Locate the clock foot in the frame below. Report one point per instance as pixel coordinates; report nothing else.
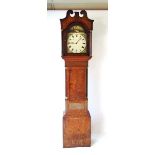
(77, 130)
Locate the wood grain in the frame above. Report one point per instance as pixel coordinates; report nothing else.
(77, 119)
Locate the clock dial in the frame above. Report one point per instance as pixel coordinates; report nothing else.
(76, 42)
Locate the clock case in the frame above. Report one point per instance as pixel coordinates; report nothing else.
(76, 119)
(80, 20)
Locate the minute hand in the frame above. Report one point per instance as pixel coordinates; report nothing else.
(78, 40)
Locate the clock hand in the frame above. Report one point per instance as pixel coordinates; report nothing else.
(71, 43)
(78, 40)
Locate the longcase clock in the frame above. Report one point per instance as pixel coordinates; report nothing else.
(76, 51)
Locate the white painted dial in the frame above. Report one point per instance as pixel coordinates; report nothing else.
(76, 43)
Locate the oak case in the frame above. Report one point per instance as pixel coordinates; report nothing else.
(76, 119)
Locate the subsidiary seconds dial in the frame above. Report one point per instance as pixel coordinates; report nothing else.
(76, 43)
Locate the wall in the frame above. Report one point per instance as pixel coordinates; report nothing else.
(121, 80)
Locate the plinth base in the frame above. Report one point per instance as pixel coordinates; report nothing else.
(77, 130)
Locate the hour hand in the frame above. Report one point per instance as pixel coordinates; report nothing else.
(71, 43)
